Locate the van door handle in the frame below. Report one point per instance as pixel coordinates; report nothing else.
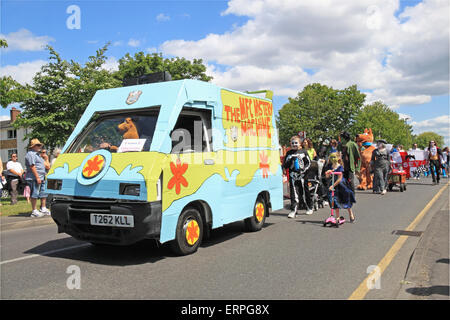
(209, 161)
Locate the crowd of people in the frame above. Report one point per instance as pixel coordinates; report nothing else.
(341, 158)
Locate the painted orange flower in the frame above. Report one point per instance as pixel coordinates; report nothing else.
(192, 232)
(178, 180)
(93, 166)
(264, 164)
(259, 212)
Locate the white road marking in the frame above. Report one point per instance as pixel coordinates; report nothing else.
(45, 253)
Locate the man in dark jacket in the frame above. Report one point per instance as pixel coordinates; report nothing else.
(350, 157)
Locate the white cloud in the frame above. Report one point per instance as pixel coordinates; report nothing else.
(24, 40)
(23, 72)
(162, 17)
(3, 118)
(401, 61)
(134, 43)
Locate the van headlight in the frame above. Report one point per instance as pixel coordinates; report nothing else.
(54, 184)
(128, 189)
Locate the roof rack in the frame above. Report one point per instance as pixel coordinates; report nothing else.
(147, 78)
(269, 93)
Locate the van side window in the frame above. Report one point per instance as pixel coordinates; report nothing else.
(190, 133)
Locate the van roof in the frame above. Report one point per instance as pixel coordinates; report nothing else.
(168, 95)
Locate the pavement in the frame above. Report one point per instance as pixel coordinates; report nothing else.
(427, 275)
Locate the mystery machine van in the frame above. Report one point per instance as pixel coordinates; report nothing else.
(168, 161)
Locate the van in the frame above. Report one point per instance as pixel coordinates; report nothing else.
(168, 161)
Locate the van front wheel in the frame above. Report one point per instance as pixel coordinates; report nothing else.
(256, 222)
(189, 232)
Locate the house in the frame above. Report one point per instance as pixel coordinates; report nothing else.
(11, 140)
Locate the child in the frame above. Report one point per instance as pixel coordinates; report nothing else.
(297, 162)
(343, 195)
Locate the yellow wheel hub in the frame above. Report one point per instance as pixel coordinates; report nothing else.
(259, 212)
(192, 232)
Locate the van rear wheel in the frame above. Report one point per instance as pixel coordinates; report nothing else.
(189, 233)
(256, 222)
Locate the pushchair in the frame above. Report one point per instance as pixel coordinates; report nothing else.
(314, 184)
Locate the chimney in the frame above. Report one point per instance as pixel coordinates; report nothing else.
(13, 114)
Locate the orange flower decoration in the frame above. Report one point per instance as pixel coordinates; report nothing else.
(264, 164)
(93, 166)
(192, 232)
(259, 212)
(178, 180)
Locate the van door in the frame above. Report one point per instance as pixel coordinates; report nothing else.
(191, 162)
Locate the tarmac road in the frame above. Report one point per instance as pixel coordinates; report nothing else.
(292, 259)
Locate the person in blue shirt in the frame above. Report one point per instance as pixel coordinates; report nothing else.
(36, 167)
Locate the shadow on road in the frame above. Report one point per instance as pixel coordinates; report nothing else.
(447, 261)
(146, 251)
(428, 291)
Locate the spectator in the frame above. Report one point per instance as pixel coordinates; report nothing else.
(1, 178)
(309, 147)
(445, 160)
(351, 158)
(381, 166)
(36, 167)
(435, 159)
(56, 153)
(334, 146)
(414, 147)
(297, 162)
(394, 148)
(400, 148)
(15, 173)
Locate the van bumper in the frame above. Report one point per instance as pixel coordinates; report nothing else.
(72, 216)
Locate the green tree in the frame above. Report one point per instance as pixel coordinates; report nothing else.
(63, 91)
(424, 139)
(13, 92)
(179, 68)
(385, 124)
(321, 111)
(3, 43)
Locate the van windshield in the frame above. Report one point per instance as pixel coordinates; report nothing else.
(130, 132)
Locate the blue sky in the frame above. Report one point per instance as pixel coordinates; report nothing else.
(150, 26)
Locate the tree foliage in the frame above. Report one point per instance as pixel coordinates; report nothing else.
(13, 92)
(179, 68)
(424, 139)
(385, 123)
(321, 111)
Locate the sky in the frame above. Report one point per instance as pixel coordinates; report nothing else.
(394, 51)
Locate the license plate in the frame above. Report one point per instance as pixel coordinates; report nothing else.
(113, 220)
